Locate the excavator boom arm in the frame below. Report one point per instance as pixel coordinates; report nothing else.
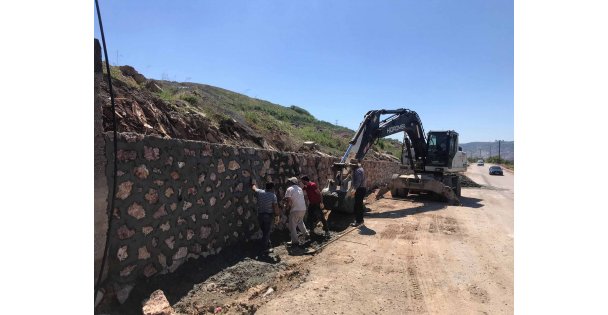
(372, 129)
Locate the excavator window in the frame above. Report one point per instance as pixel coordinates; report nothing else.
(438, 149)
(438, 143)
(453, 145)
(432, 141)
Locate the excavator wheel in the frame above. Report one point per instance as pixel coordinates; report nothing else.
(394, 193)
(400, 192)
(456, 188)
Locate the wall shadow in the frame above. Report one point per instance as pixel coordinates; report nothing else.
(393, 214)
(341, 221)
(177, 284)
(338, 221)
(364, 230)
(298, 250)
(471, 202)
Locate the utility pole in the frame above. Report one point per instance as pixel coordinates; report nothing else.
(499, 151)
(480, 153)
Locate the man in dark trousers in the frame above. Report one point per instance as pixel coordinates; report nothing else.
(359, 190)
(315, 205)
(268, 209)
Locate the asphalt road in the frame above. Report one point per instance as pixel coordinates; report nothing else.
(480, 174)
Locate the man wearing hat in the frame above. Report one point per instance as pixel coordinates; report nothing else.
(294, 196)
(358, 186)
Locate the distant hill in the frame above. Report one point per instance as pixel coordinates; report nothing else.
(487, 149)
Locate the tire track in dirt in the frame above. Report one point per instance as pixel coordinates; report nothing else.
(420, 284)
(416, 300)
(415, 293)
(445, 225)
(406, 230)
(478, 294)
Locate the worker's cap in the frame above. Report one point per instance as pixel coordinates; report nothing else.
(293, 180)
(354, 162)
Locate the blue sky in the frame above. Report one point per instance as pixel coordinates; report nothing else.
(450, 61)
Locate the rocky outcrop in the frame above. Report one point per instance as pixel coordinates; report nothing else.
(142, 110)
(131, 72)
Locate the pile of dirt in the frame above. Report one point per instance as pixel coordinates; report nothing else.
(467, 182)
(243, 287)
(240, 277)
(308, 147)
(379, 156)
(238, 289)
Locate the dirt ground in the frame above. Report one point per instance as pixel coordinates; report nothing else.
(412, 255)
(417, 256)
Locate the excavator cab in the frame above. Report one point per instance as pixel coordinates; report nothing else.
(442, 148)
(444, 154)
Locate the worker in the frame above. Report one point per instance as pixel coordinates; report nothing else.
(358, 190)
(294, 198)
(268, 209)
(315, 205)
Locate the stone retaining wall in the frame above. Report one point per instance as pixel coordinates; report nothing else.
(180, 199)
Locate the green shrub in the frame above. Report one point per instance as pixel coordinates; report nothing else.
(166, 95)
(252, 118)
(191, 99)
(117, 75)
(300, 110)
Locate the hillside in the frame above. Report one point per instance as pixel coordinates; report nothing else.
(202, 112)
(487, 149)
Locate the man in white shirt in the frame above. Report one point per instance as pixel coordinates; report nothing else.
(294, 196)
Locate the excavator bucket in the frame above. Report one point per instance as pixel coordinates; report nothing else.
(401, 185)
(336, 199)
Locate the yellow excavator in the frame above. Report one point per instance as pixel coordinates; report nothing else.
(429, 164)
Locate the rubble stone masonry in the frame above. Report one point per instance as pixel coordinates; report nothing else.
(180, 199)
